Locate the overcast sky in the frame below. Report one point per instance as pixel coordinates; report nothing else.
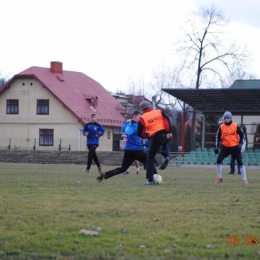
(109, 40)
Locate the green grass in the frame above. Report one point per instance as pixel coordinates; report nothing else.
(42, 208)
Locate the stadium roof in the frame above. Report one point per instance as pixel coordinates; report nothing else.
(242, 98)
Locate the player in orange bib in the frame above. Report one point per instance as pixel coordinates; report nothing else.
(154, 125)
(233, 142)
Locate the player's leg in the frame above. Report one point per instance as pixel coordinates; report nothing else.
(89, 159)
(137, 164)
(95, 158)
(232, 165)
(156, 142)
(165, 153)
(126, 163)
(238, 170)
(222, 155)
(91, 152)
(238, 156)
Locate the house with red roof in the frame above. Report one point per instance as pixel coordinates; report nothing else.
(46, 108)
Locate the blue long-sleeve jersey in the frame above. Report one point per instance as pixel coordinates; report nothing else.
(95, 131)
(133, 141)
(147, 145)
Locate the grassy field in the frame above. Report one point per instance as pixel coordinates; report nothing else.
(188, 216)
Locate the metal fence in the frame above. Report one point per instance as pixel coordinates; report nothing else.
(33, 144)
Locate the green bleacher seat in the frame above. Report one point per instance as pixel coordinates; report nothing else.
(193, 160)
(205, 160)
(250, 150)
(245, 161)
(179, 159)
(210, 151)
(226, 161)
(251, 155)
(186, 160)
(199, 158)
(257, 151)
(252, 161)
(257, 156)
(186, 156)
(212, 160)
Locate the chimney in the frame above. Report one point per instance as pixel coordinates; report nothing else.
(56, 66)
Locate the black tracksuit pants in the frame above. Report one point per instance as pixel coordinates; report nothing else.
(128, 159)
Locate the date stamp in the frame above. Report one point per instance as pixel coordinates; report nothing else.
(236, 240)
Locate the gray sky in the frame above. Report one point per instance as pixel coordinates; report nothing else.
(109, 41)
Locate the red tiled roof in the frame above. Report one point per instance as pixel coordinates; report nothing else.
(75, 90)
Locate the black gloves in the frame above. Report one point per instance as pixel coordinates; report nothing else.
(216, 151)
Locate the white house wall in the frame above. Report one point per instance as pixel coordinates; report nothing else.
(22, 129)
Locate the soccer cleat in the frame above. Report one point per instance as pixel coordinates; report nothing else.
(149, 183)
(99, 168)
(100, 177)
(85, 171)
(126, 172)
(231, 173)
(164, 164)
(218, 180)
(245, 181)
(239, 172)
(137, 172)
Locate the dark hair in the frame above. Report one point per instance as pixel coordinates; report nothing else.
(93, 115)
(135, 113)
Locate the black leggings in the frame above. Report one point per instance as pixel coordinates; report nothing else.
(92, 155)
(235, 152)
(129, 157)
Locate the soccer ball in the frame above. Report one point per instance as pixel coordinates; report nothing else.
(157, 179)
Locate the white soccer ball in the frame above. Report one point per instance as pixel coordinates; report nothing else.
(157, 179)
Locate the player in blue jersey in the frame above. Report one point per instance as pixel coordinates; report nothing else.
(133, 149)
(137, 164)
(93, 131)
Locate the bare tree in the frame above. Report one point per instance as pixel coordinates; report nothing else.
(136, 85)
(209, 54)
(165, 77)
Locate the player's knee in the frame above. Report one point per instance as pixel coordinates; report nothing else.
(219, 161)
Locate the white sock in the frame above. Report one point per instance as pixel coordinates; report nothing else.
(243, 172)
(219, 170)
(137, 169)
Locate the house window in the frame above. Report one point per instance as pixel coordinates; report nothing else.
(42, 107)
(46, 137)
(12, 106)
(108, 134)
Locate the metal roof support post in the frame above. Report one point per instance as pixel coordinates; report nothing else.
(203, 132)
(183, 131)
